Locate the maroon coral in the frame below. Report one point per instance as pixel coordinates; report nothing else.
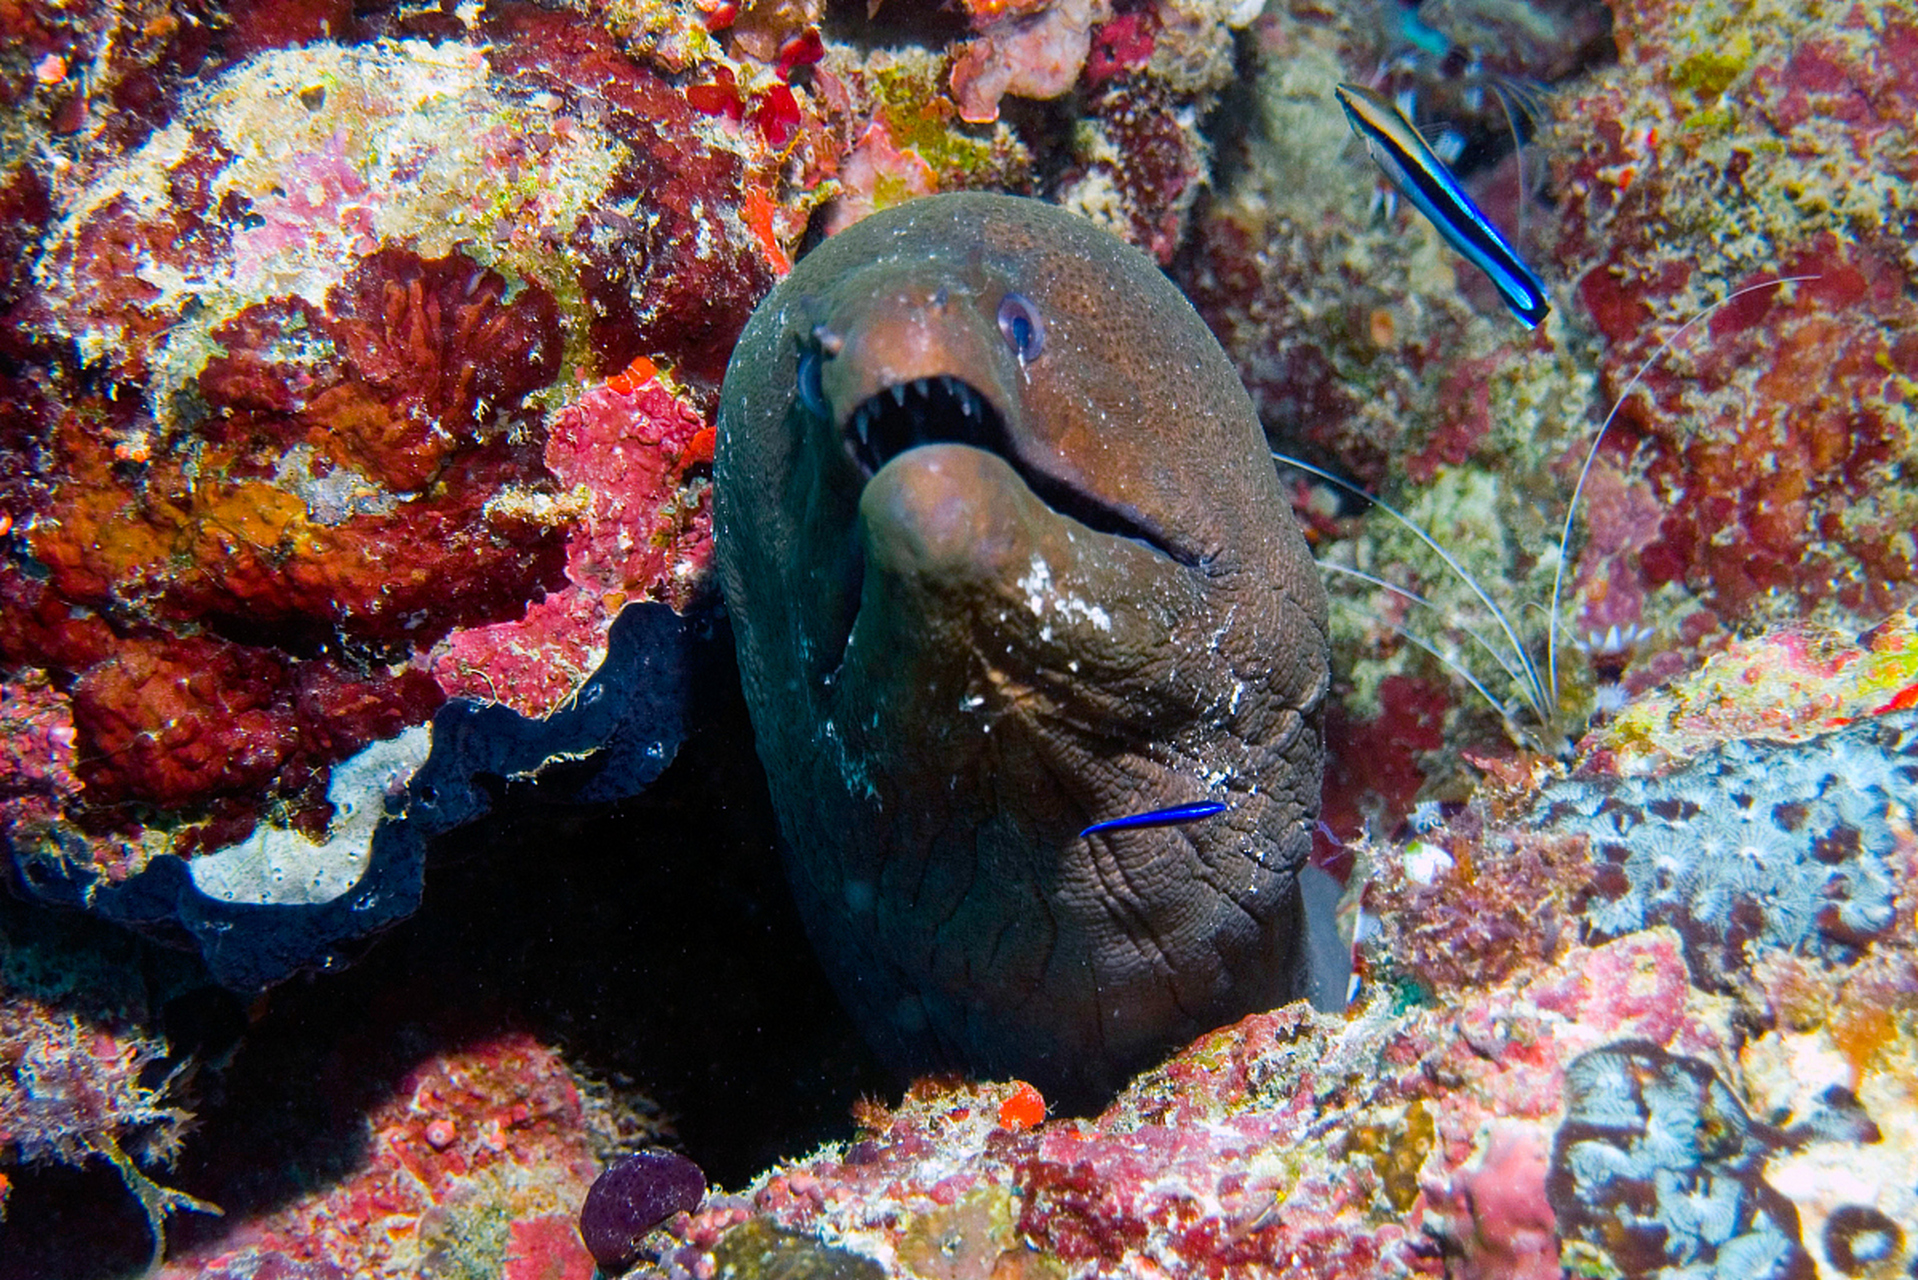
(1156, 164)
(342, 484)
(173, 722)
(668, 264)
(1775, 440)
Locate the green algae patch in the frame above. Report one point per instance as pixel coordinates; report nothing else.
(758, 1250)
(1713, 69)
(921, 118)
(965, 1240)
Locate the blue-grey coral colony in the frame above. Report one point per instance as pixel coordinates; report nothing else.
(1752, 847)
(1007, 557)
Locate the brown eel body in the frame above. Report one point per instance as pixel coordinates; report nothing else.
(1006, 555)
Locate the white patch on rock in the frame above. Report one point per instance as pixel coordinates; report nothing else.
(1425, 863)
(279, 867)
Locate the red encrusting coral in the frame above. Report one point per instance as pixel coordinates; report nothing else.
(341, 477)
(1121, 45)
(1776, 438)
(667, 265)
(342, 482)
(632, 461)
(492, 1132)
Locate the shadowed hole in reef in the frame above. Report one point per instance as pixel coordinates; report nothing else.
(654, 944)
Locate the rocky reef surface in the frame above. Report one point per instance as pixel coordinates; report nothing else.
(1655, 1018)
(357, 371)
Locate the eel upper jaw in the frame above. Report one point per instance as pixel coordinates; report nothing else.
(945, 409)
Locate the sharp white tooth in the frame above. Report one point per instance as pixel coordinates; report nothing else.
(899, 394)
(966, 406)
(862, 426)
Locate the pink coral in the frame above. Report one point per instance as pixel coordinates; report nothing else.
(323, 207)
(491, 1132)
(632, 464)
(1512, 1233)
(877, 170)
(1036, 52)
(1623, 517)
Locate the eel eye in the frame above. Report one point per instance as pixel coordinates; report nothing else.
(812, 391)
(1021, 327)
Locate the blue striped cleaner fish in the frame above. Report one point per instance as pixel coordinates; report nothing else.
(1424, 180)
(1159, 817)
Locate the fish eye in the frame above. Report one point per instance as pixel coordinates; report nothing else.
(812, 388)
(1021, 327)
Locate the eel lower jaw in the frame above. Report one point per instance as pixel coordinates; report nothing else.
(944, 409)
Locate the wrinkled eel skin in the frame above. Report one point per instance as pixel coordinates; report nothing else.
(966, 636)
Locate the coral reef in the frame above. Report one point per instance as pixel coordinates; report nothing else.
(1373, 351)
(367, 376)
(471, 1166)
(1752, 475)
(1579, 1047)
(357, 368)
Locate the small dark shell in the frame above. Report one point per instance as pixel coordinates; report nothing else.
(634, 1195)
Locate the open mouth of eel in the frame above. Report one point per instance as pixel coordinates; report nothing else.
(947, 410)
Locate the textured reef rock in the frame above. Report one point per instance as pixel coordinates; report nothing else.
(356, 371)
(367, 378)
(1652, 1019)
(1779, 451)
(1371, 349)
(1753, 476)
(473, 1165)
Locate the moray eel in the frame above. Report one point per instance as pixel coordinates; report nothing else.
(1006, 556)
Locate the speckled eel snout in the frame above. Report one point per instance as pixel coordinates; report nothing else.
(1006, 556)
